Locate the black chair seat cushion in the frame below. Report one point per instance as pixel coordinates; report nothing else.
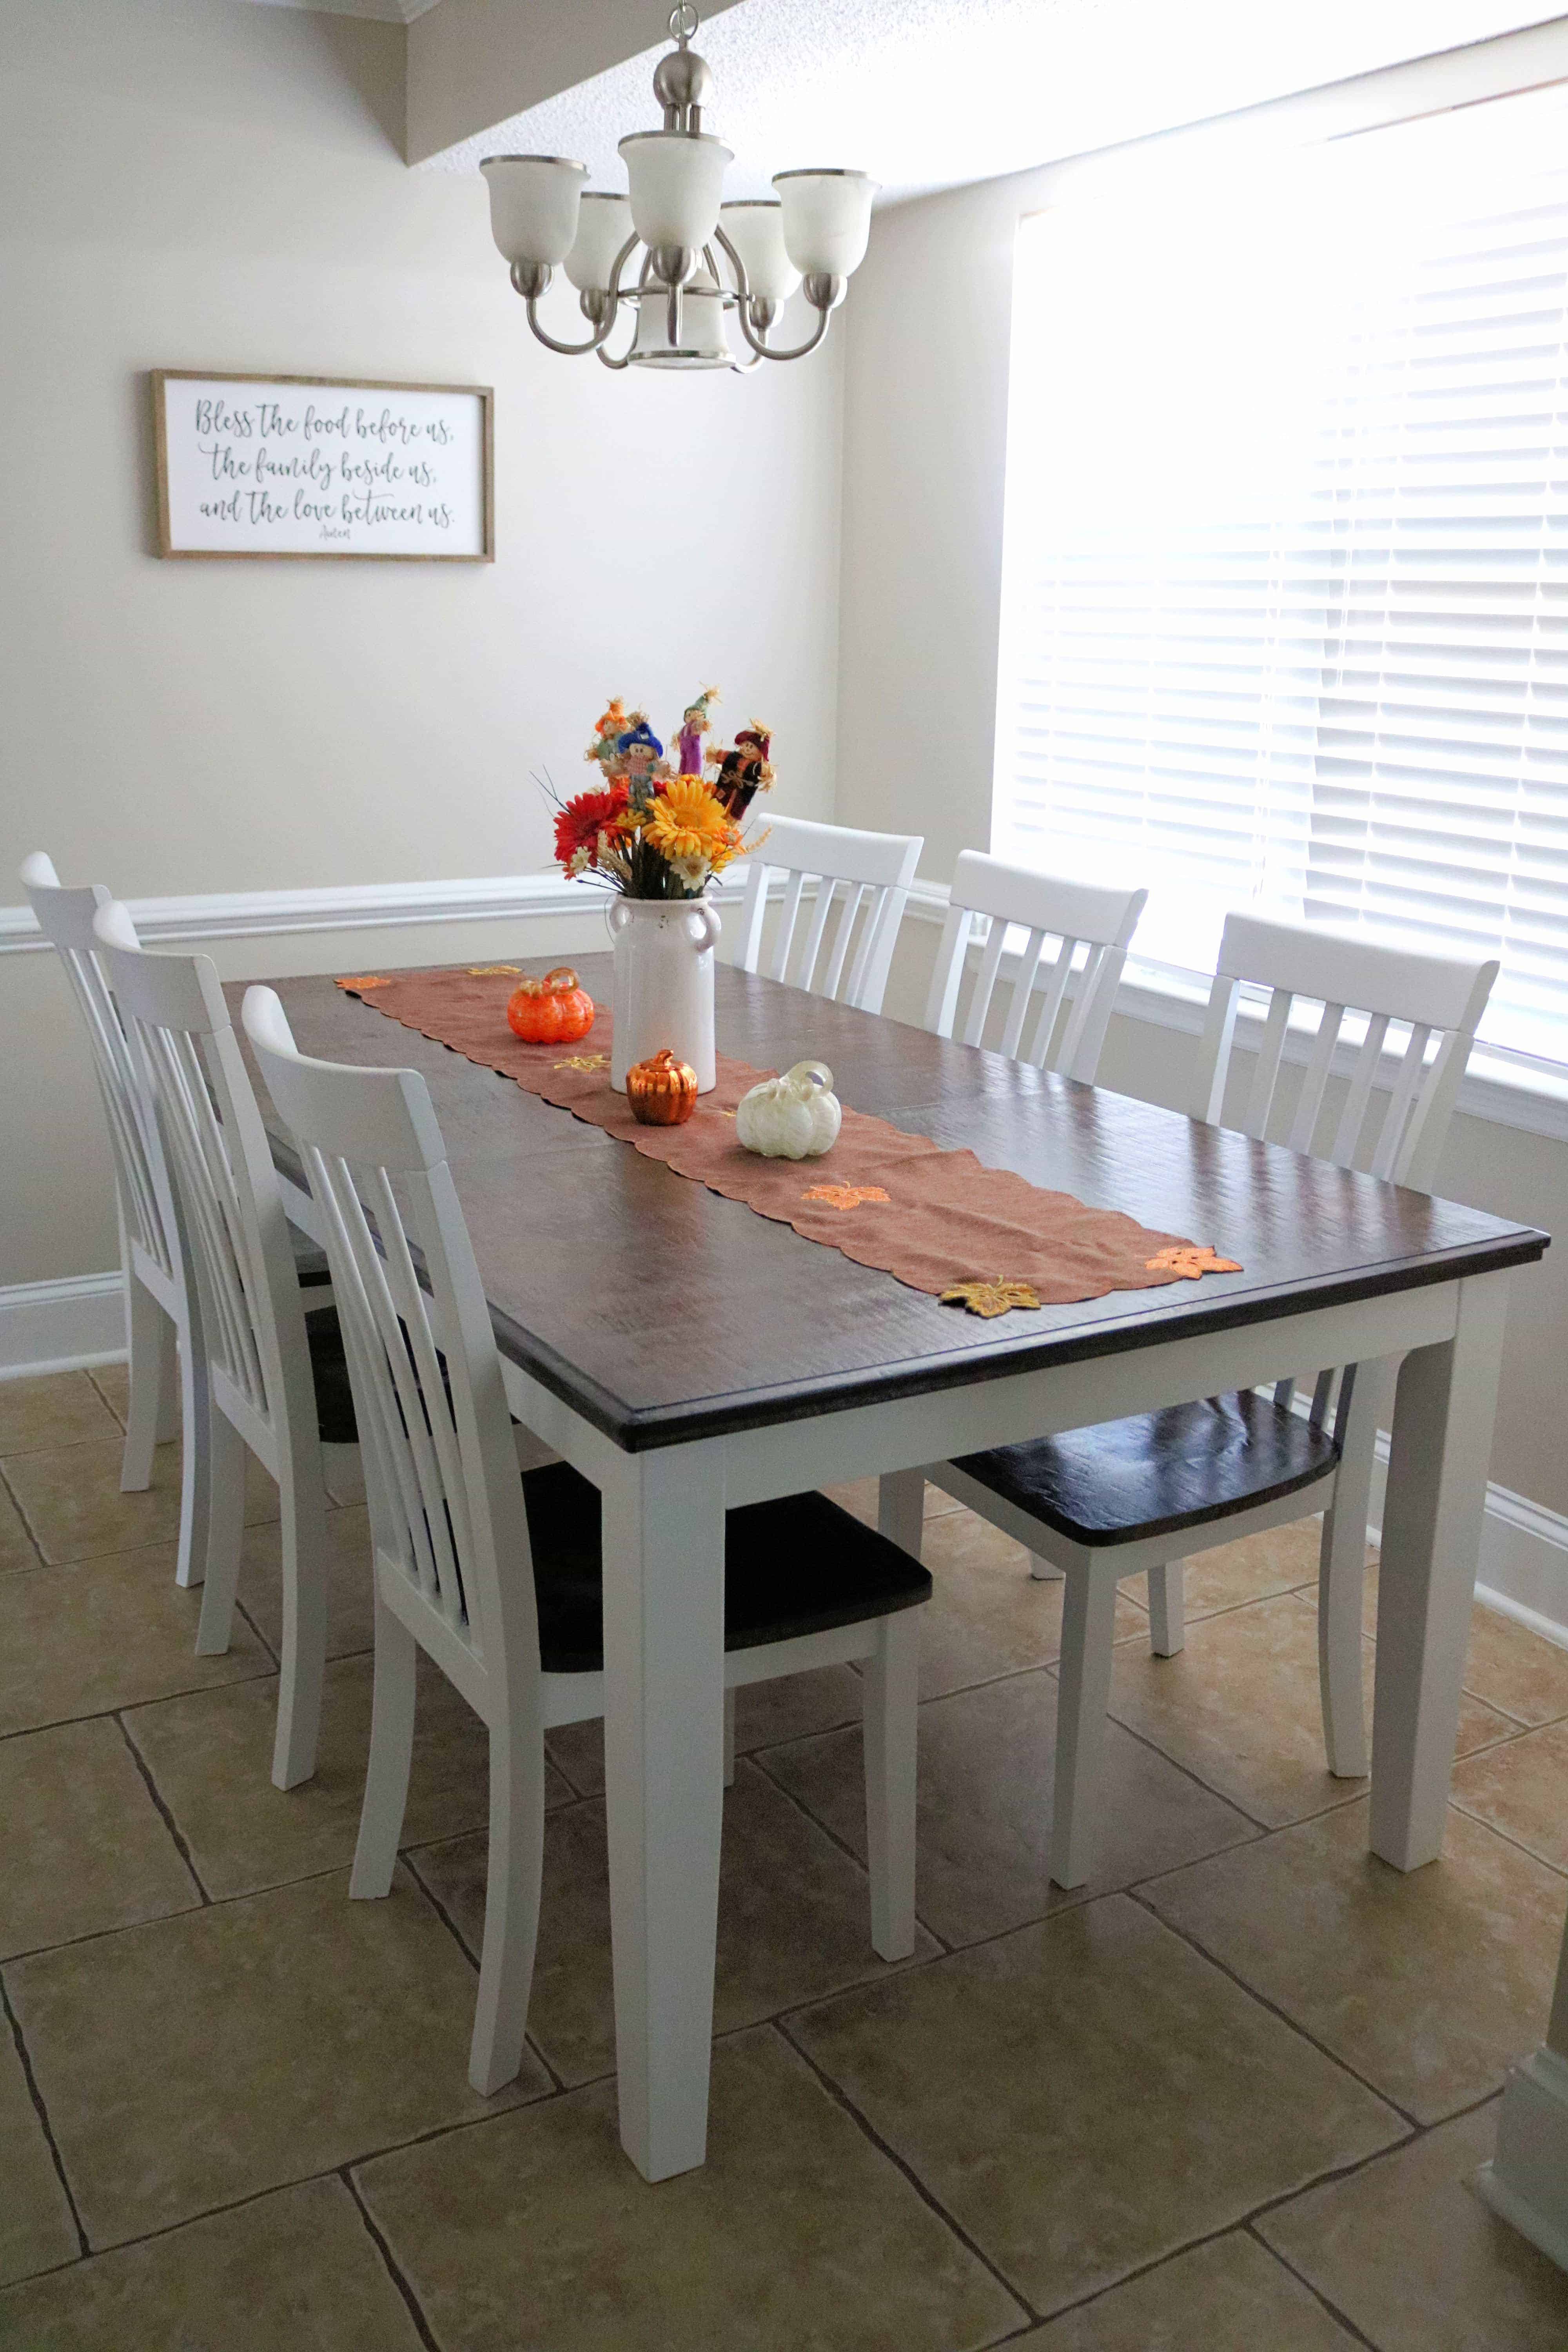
(797, 1566)
(1157, 1473)
(335, 1422)
(310, 1260)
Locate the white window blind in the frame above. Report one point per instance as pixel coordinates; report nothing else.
(1285, 608)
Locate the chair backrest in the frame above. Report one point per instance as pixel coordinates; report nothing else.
(1432, 997)
(216, 1150)
(875, 870)
(441, 1473)
(1070, 1030)
(146, 1207)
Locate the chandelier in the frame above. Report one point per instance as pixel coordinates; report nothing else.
(811, 235)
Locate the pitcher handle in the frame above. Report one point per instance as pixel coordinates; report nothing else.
(708, 926)
(618, 915)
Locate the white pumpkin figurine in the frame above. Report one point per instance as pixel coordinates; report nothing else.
(792, 1118)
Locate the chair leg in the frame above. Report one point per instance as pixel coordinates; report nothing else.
(1167, 1609)
(1043, 1570)
(1342, 1575)
(730, 1738)
(304, 1658)
(391, 1753)
(891, 1680)
(195, 1458)
(153, 1413)
(512, 1904)
(1088, 1625)
(226, 1533)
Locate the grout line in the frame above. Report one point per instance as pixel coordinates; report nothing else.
(42, 2112)
(804, 1810)
(407, 1854)
(28, 1529)
(421, 2323)
(841, 2099)
(169, 1824)
(108, 1400)
(96, 1715)
(243, 1612)
(1481, 1822)
(1335, 2312)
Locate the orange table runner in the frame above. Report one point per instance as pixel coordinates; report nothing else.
(939, 1220)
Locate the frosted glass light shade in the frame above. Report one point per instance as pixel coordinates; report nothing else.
(827, 219)
(603, 225)
(676, 183)
(755, 228)
(533, 204)
(702, 344)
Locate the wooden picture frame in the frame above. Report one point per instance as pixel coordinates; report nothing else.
(326, 462)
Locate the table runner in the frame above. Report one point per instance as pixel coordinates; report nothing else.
(937, 1220)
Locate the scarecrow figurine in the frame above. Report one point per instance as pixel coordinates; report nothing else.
(639, 756)
(695, 722)
(608, 729)
(745, 771)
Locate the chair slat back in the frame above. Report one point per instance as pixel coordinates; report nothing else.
(1088, 930)
(214, 1146)
(1432, 1002)
(873, 872)
(66, 917)
(445, 1499)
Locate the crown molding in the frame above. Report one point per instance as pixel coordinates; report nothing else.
(381, 12)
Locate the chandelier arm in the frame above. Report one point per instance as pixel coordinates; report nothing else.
(601, 333)
(743, 311)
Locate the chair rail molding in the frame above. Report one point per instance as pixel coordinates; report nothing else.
(62, 1326)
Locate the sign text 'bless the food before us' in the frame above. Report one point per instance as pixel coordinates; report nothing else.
(298, 465)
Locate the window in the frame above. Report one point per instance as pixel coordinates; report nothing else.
(1285, 604)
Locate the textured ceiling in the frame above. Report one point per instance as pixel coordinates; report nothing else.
(929, 94)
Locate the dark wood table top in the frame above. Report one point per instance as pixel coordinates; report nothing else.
(664, 1314)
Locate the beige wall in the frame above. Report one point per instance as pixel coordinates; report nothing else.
(191, 182)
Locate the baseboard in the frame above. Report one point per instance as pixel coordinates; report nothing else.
(1523, 1567)
(57, 1326)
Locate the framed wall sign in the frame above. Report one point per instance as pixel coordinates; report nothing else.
(323, 468)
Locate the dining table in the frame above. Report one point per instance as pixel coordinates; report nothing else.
(688, 1355)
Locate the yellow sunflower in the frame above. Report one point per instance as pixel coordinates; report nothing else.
(687, 822)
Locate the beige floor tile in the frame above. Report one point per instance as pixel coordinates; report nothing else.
(61, 1408)
(859, 1496)
(1428, 1982)
(1240, 1707)
(1407, 2251)
(82, 1845)
(210, 1756)
(17, 1548)
(108, 1633)
(295, 2272)
(795, 2233)
(1227, 2297)
(35, 2226)
(765, 1715)
(793, 1921)
(194, 2062)
(987, 1615)
(1508, 1665)
(1087, 2094)
(1281, 1560)
(70, 1497)
(1522, 1790)
(987, 1774)
(351, 1605)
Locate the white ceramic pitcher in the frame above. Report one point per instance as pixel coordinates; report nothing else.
(663, 992)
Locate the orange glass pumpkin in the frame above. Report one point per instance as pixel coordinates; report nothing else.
(552, 1010)
(661, 1091)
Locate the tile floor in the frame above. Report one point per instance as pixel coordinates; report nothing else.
(1229, 2096)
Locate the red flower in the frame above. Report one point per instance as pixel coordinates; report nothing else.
(580, 821)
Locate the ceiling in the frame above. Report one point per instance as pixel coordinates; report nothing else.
(929, 94)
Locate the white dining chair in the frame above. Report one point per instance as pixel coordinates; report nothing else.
(168, 1390)
(1108, 1502)
(274, 1383)
(1090, 928)
(497, 1573)
(875, 871)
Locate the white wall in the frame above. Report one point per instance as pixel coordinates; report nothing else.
(195, 184)
(925, 411)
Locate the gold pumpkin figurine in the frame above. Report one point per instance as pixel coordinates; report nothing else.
(661, 1091)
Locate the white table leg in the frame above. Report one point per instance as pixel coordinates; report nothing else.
(1432, 1516)
(664, 1766)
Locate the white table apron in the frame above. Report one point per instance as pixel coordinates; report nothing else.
(664, 1608)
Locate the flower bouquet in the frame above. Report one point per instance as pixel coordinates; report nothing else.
(653, 828)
